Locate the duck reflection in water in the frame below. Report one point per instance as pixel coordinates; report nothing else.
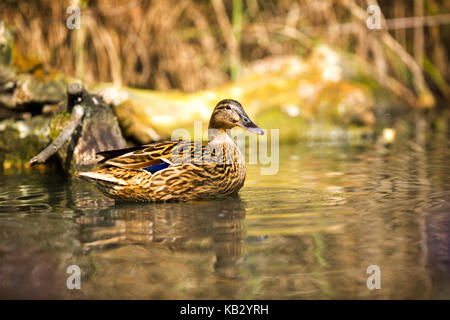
(199, 226)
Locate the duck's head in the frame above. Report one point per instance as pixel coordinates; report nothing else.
(228, 114)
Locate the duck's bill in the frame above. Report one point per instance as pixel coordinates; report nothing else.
(253, 128)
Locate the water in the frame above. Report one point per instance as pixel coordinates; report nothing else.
(310, 231)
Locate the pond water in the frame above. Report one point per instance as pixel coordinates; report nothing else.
(308, 232)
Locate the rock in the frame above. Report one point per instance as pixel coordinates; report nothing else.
(25, 85)
(98, 131)
(21, 140)
(27, 89)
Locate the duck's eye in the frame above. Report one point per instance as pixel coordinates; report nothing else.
(228, 107)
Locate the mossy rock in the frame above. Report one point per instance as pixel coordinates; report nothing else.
(21, 140)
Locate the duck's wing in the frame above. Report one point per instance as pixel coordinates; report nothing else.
(152, 155)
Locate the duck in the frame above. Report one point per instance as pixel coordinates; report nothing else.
(179, 170)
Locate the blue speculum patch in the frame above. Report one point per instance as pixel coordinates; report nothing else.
(156, 167)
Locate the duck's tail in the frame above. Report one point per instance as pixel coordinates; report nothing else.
(98, 176)
(105, 181)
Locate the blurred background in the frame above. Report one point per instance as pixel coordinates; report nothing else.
(335, 62)
(192, 45)
(363, 119)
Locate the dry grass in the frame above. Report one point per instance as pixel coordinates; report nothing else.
(191, 45)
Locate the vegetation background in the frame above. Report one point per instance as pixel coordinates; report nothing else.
(192, 45)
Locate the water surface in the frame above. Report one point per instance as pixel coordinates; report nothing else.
(308, 232)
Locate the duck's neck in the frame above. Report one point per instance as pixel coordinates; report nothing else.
(219, 136)
(219, 139)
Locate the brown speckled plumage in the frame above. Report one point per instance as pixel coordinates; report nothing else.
(193, 171)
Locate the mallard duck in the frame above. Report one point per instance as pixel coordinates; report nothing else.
(178, 170)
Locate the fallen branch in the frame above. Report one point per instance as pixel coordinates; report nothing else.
(65, 135)
(75, 97)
